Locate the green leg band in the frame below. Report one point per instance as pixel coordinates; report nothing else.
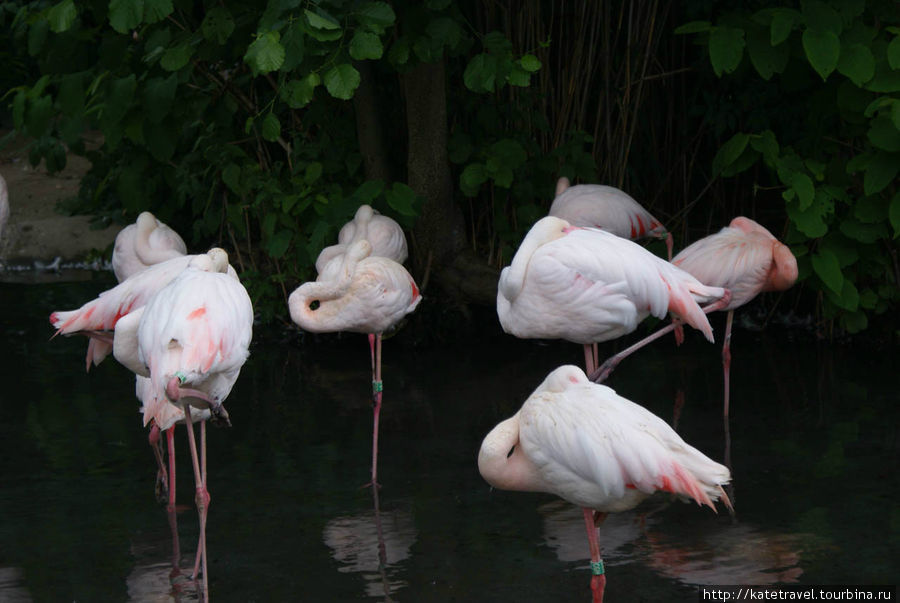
(377, 386)
(181, 377)
(597, 568)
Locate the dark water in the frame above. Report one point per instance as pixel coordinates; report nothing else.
(814, 449)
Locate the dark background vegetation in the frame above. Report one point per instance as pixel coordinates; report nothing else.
(260, 127)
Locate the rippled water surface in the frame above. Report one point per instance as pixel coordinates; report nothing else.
(814, 452)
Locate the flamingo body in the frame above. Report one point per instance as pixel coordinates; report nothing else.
(384, 234)
(144, 243)
(604, 207)
(362, 294)
(743, 257)
(590, 446)
(102, 313)
(586, 285)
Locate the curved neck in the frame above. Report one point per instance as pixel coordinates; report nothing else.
(147, 253)
(783, 273)
(325, 290)
(544, 231)
(503, 470)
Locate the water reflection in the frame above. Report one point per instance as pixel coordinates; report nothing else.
(355, 544)
(12, 586)
(564, 532)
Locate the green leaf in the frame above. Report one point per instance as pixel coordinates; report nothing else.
(783, 20)
(37, 35)
(294, 47)
(868, 299)
(61, 16)
(175, 58)
(379, 14)
(810, 221)
(266, 53)
(365, 45)
(825, 264)
(871, 209)
(278, 245)
(271, 127)
(400, 198)
(125, 15)
(478, 77)
(729, 152)
(298, 93)
(445, 31)
(864, 233)
(341, 81)
(848, 298)
(399, 52)
(161, 142)
(530, 63)
(518, 76)
(313, 172)
(895, 113)
(857, 63)
(880, 172)
(854, 322)
(821, 17)
(693, 27)
(231, 176)
(38, 116)
(218, 24)
(159, 94)
(71, 94)
(894, 214)
(766, 143)
(471, 179)
(726, 48)
(118, 98)
(767, 59)
(806, 191)
(883, 135)
(823, 49)
(893, 53)
(157, 10)
(321, 19)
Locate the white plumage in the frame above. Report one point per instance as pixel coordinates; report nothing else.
(383, 233)
(144, 243)
(587, 285)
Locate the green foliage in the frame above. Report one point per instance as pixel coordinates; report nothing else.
(837, 170)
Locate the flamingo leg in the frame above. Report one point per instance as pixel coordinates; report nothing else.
(590, 359)
(726, 358)
(170, 440)
(600, 374)
(377, 388)
(201, 498)
(162, 477)
(372, 353)
(598, 575)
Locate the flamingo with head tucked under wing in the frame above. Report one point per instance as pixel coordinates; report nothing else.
(745, 258)
(360, 293)
(383, 233)
(587, 285)
(144, 243)
(606, 208)
(588, 445)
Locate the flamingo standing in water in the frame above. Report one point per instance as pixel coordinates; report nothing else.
(138, 246)
(144, 243)
(190, 341)
(360, 293)
(383, 233)
(587, 285)
(588, 445)
(745, 258)
(606, 208)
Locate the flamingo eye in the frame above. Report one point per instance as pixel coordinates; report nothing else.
(314, 305)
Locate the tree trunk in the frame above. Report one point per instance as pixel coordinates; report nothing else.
(439, 233)
(369, 132)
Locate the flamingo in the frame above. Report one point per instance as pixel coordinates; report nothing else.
(144, 243)
(384, 234)
(586, 444)
(360, 293)
(607, 208)
(190, 341)
(587, 285)
(745, 258)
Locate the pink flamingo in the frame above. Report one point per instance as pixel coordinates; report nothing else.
(587, 285)
(746, 259)
(190, 341)
(607, 208)
(383, 233)
(360, 293)
(588, 445)
(144, 243)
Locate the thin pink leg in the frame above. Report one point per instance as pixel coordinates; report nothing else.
(598, 574)
(377, 388)
(201, 498)
(170, 440)
(726, 358)
(589, 359)
(162, 477)
(372, 353)
(600, 374)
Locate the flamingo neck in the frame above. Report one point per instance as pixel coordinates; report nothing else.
(147, 253)
(508, 471)
(544, 231)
